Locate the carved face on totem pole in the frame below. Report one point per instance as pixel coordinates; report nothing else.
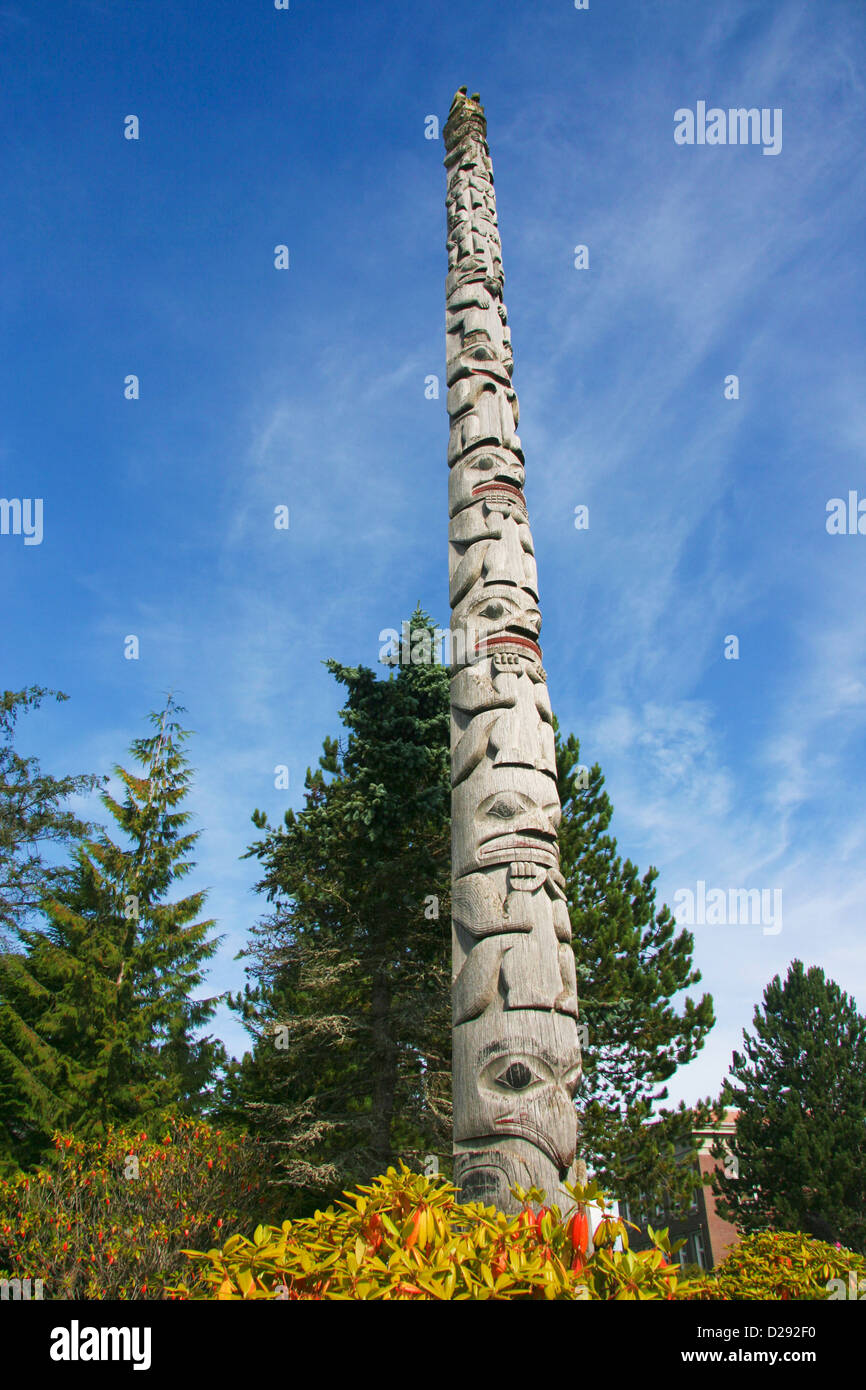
(478, 469)
(509, 813)
(494, 581)
(525, 1078)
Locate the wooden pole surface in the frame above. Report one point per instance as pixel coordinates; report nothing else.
(516, 1058)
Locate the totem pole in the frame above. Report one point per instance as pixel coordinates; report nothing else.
(516, 1059)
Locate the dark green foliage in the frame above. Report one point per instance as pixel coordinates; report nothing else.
(358, 977)
(800, 1087)
(32, 816)
(631, 962)
(350, 1010)
(96, 1021)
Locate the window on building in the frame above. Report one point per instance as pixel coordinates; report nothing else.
(697, 1241)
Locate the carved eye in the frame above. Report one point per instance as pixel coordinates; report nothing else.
(505, 807)
(517, 1077)
(492, 610)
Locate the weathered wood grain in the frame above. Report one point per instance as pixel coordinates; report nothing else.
(516, 1050)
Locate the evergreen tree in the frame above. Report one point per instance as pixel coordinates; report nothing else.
(97, 1023)
(630, 964)
(800, 1142)
(32, 816)
(351, 1010)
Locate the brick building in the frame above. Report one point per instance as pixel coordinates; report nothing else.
(708, 1238)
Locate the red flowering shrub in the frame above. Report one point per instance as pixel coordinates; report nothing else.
(108, 1218)
(408, 1237)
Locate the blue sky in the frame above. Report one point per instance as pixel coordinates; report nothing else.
(305, 388)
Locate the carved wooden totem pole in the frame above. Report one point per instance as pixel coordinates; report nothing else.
(516, 1052)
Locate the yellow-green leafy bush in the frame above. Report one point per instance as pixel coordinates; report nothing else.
(785, 1265)
(408, 1237)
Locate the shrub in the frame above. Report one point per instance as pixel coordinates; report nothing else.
(408, 1237)
(108, 1218)
(784, 1265)
(90, 1229)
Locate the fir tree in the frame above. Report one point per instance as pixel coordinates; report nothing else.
(349, 1007)
(630, 964)
(350, 1011)
(97, 1022)
(32, 816)
(800, 1088)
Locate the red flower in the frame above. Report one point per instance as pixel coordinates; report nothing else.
(413, 1234)
(578, 1230)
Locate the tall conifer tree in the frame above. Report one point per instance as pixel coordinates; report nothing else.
(97, 1022)
(351, 1010)
(800, 1088)
(631, 962)
(349, 1005)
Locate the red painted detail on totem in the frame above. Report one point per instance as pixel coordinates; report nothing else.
(500, 487)
(487, 643)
